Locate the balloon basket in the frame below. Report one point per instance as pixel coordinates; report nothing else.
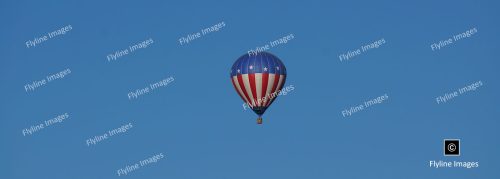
(259, 120)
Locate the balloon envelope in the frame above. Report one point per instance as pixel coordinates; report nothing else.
(258, 79)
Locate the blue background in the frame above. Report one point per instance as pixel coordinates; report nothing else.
(198, 122)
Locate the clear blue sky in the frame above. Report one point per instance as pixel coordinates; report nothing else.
(198, 122)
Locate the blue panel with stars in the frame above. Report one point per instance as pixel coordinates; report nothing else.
(262, 62)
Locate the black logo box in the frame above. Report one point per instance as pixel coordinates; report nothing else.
(451, 147)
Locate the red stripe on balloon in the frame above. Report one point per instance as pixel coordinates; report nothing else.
(237, 91)
(280, 86)
(265, 79)
(251, 78)
(275, 86)
(242, 86)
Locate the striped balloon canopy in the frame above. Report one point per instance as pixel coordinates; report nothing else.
(258, 78)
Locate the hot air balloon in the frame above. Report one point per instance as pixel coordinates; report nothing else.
(258, 78)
